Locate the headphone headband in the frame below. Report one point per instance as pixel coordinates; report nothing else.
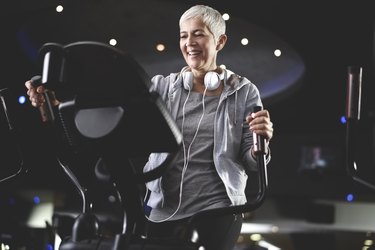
(212, 79)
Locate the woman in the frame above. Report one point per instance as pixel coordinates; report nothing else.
(211, 106)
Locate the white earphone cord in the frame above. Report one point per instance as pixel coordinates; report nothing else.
(186, 154)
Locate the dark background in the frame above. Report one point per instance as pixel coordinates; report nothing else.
(328, 36)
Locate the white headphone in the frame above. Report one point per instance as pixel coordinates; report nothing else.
(212, 79)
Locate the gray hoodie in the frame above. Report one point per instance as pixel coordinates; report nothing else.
(232, 138)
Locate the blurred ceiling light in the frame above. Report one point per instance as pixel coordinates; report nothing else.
(113, 42)
(160, 47)
(244, 41)
(59, 8)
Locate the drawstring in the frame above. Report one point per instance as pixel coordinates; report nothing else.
(235, 97)
(235, 109)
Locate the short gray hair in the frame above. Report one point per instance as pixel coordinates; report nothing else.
(210, 17)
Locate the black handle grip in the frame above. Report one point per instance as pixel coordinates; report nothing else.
(258, 140)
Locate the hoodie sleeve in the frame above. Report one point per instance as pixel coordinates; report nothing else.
(253, 99)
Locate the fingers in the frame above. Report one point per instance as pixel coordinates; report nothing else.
(29, 85)
(260, 123)
(37, 100)
(35, 94)
(254, 115)
(264, 129)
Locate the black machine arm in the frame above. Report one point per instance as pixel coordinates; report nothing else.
(6, 96)
(353, 117)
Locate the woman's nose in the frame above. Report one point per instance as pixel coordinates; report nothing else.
(189, 41)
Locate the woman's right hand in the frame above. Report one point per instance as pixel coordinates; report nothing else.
(36, 94)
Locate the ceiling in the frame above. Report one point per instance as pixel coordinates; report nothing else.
(308, 34)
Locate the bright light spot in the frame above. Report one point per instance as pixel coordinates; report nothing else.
(194, 236)
(350, 197)
(21, 99)
(277, 52)
(36, 199)
(58, 241)
(4, 246)
(249, 228)
(226, 16)
(59, 8)
(160, 47)
(255, 237)
(268, 245)
(244, 41)
(113, 42)
(343, 119)
(368, 243)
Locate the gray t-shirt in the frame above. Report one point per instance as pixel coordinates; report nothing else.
(202, 187)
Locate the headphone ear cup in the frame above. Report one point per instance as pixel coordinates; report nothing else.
(212, 80)
(187, 80)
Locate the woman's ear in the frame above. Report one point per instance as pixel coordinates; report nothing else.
(221, 42)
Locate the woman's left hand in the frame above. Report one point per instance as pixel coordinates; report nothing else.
(260, 123)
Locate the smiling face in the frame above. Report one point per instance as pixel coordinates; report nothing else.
(198, 45)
